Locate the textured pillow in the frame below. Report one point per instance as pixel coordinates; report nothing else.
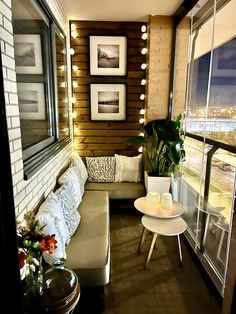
(101, 169)
(72, 178)
(128, 169)
(78, 163)
(69, 208)
(51, 217)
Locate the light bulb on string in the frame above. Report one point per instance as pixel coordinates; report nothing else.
(75, 68)
(72, 51)
(143, 66)
(73, 100)
(143, 28)
(144, 51)
(74, 34)
(73, 27)
(75, 84)
(144, 36)
(140, 149)
(142, 111)
(141, 134)
(73, 115)
(142, 97)
(141, 121)
(143, 82)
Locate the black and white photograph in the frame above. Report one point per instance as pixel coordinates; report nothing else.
(28, 54)
(108, 102)
(31, 101)
(108, 55)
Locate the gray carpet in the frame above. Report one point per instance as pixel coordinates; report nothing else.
(163, 288)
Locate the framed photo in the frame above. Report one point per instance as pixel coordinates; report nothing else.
(28, 54)
(108, 102)
(108, 55)
(224, 61)
(31, 101)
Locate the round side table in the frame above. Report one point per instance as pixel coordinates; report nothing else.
(165, 227)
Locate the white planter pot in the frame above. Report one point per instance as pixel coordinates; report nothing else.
(156, 184)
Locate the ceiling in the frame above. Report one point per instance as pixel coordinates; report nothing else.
(118, 10)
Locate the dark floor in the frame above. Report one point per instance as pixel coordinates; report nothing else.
(163, 288)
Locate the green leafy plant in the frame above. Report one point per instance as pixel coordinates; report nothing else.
(162, 146)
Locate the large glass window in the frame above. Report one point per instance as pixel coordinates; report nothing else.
(208, 182)
(40, 55)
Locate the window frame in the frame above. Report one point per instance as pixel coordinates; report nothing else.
(36, 156)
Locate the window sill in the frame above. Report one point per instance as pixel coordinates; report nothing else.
(35, 163)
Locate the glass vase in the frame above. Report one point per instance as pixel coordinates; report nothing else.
(34, 281)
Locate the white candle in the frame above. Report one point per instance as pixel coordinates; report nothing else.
(166, 200)
(153, 198)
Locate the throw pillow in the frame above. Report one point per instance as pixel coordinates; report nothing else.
(51, 218)
(128, 169)
(78, 163)
(69, 208)
(101, 169)
(73, 178)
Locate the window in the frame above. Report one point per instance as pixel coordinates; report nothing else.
(208, 186)
(40, 55)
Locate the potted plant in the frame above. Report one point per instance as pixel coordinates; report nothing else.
(163, 151)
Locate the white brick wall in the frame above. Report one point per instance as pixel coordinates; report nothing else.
(27, 194)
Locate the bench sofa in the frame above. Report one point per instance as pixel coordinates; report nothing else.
(88, 251)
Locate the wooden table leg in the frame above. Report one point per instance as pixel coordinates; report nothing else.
(151, 248)
(142, 240)
(180, 251)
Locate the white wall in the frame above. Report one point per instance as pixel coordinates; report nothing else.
(28, 193)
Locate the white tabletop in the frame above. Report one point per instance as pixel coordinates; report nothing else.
(166, 227)
(157, 211)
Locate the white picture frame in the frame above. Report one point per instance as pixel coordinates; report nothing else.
(108, 55)
(108, 102)
(28, 54)
(31, 99)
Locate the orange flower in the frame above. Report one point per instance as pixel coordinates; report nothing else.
(48, 244)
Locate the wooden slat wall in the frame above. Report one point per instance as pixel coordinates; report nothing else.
(93, 138)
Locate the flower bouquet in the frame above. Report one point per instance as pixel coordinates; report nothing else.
(32, 243)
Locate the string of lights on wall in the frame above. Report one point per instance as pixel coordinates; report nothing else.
(143, 82)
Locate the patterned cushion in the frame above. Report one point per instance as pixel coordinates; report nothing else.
(101, 169)
(69, 209)
(73, 178)
(50, 216)
(78, 163)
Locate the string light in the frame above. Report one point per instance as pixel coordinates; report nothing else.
(143, 82)
(73, 100)
(141, 134)
(73, 27)
(140, 149)
(143, 66)
(63, 84)
(143, 28)
(144, 36)
(74, 34)
(75, 84)
(75, 68)
(142, 97)
(141, 121)
(142, 111)
(72, 51)
(73, 115)
(62, 67)
(144, 51)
